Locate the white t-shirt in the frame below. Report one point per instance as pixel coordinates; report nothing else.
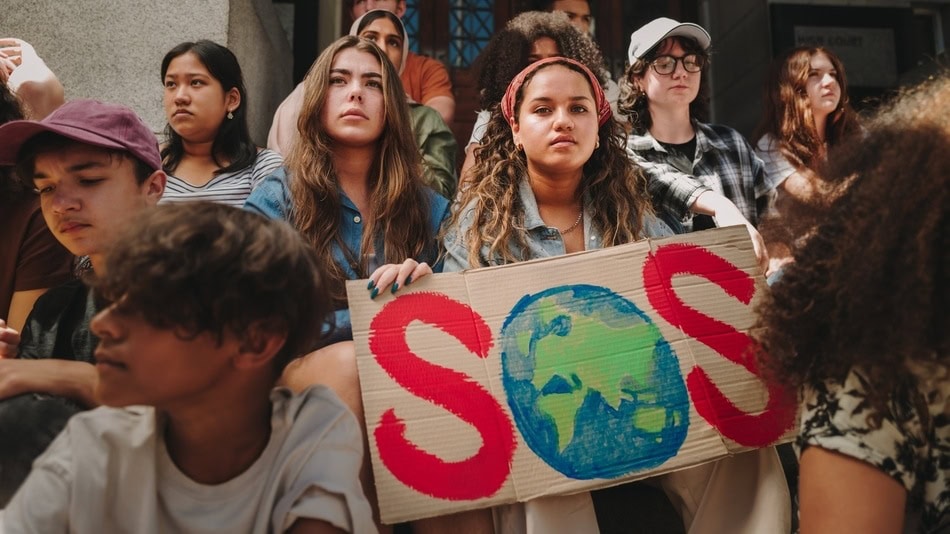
(777, 167)
(109, 471)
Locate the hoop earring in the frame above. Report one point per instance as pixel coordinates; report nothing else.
(520, 147)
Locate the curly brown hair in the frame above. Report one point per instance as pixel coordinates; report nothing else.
(507, 52)
(633, 101)
(869, 285)
(787, 114)
(399, 215)
(613, 185)
(199, 267)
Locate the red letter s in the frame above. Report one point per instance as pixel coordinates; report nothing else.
(658, 272)
(485, 472)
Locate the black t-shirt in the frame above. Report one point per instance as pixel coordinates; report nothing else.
(687, 151)
(58, 326)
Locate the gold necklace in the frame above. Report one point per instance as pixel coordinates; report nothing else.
(573, 226)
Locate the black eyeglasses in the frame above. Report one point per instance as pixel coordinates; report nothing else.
(665, 65)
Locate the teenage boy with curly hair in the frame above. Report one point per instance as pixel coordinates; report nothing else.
(204, 306)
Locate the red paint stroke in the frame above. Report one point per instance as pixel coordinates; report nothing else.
(753, 430)
(478, 476)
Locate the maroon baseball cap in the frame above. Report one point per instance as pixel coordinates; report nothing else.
(87, 121)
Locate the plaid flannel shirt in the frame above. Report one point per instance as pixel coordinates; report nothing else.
(724, 162)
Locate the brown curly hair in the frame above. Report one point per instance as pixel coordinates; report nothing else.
(869, 285)
(787, 114)
(197, 267)
(507, 52)
(633, 102)
(613, 185)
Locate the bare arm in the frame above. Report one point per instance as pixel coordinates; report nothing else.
(799, 185)
(465, 175)
(66, 378)
(727, 214)
(33, 82)
(840, 494)
(20, 306)
(445, 105)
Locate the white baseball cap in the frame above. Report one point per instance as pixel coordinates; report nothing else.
(652, 33)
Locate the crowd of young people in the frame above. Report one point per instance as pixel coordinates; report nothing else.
(217, 343)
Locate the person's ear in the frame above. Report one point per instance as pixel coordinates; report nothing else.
(258, 348)
(515, 133)
(154, 187)
(400, 8)
(232, 99)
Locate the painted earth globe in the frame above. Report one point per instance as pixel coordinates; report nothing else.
(594, 388)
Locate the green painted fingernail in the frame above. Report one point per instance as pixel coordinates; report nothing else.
(374, 292)
(370, 285)
(408, 280)
(395, 287)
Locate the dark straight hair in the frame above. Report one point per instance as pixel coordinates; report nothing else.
(233, 141)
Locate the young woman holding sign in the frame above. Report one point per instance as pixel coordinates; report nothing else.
(354, 188)
(553, 178)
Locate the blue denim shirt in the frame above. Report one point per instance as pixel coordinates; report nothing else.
(272, 200)
(543, 241)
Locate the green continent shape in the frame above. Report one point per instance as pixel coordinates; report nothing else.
(594, 356)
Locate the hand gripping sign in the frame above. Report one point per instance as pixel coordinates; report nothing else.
(554, 376)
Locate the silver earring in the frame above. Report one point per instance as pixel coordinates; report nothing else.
(230, 115)
(597, 145)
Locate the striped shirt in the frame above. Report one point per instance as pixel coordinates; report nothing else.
(230, 188)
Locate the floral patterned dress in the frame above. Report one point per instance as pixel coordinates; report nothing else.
(912, 443)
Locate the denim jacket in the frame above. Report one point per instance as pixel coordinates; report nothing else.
(543, 241)
(272, 200)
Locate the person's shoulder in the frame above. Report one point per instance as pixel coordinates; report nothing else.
(640, 142)
(106, 430)
(766, 143)
(312, 413)
(438, 205)
(268, 158)
(58, 298)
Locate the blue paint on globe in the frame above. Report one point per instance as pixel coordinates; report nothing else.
(594, 388)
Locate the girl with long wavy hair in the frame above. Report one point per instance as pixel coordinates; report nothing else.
(354, 188)
(551, 178)
(859, 322)
(435, 139)
(806, 112)
(208, 153)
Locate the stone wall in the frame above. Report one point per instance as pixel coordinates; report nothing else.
(112, 51)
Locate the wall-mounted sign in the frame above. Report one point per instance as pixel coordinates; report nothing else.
(868, 54)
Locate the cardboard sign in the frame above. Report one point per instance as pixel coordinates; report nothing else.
(560, 375)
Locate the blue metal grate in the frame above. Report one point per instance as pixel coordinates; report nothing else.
(471, 24)
(411, 20)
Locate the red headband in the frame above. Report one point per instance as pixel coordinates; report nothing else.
(508, 102)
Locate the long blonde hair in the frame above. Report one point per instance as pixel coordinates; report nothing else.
(614, 187)
(399, 218)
